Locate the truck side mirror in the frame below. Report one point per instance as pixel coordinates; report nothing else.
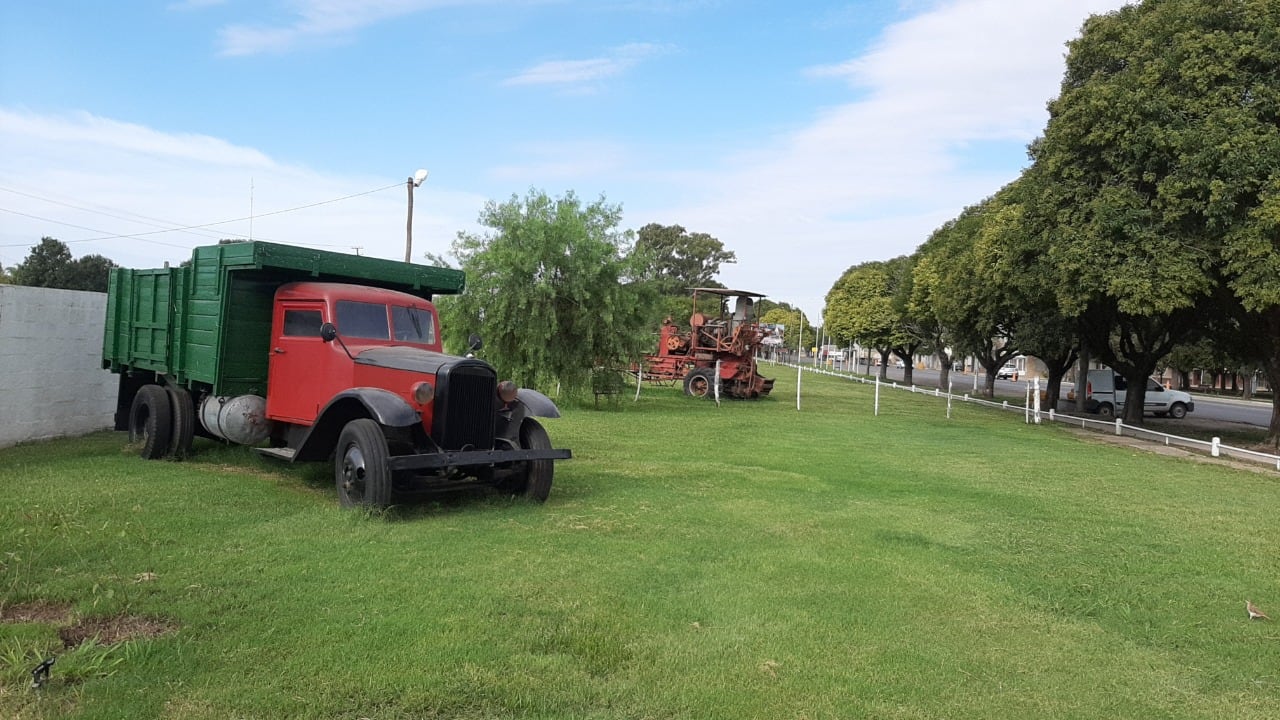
(474, 342)
(328, 332)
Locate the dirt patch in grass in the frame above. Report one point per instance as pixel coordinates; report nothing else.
(103, 630)
(37, 611)
(113, 630)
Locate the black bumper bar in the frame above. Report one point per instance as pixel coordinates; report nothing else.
(472, 457)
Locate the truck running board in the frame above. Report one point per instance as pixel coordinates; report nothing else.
(285, 454)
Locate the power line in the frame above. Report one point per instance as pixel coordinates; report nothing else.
(82, 227)
(145, 220)
(139, 236)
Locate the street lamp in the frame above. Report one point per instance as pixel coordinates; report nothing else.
(410, 184)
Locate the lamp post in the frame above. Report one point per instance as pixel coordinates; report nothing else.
(410, 184)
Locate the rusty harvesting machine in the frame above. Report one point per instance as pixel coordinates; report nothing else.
(728, 342)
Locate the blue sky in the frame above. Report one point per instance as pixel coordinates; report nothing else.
(807, 136)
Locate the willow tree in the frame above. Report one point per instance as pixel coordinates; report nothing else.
(552, 288)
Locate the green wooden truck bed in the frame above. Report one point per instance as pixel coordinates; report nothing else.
(208, 322)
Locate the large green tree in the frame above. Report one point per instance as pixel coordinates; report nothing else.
(678, 260)
(865, 305)
(1162, 156)
(553, 288)
(958, 279)
(49, 264)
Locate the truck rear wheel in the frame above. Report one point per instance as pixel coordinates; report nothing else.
(1106, 410)
(360, 465)
(149, 421)
(184, 422)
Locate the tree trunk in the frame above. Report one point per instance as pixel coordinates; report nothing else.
(884, 365)
(944, 375)
(1135, 399)
(1082, 378)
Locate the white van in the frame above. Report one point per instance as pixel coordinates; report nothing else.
(1106, 391)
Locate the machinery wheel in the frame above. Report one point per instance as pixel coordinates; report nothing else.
(700, 383)
(1106, 410)
(1177, 410)
(360, 465)
(184, 422)
(535, 484)
(149, 421)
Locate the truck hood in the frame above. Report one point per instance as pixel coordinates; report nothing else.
(410, 359)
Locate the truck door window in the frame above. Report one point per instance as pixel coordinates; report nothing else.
(302, 323)
(413, 325)
(1121, 383)
(362, 320)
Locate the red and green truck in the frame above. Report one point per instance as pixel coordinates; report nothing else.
(310, 355)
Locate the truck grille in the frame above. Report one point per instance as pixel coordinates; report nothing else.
(464, 411)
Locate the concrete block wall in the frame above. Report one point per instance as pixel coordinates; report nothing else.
(51, 379)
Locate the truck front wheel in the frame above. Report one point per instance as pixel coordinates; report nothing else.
(1178, 411)
(360, 465)
(534, 481)
(149, 421)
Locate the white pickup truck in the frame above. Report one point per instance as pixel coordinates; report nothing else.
(1106, 390)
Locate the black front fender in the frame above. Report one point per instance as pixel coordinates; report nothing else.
(537, 404)
(382, 406)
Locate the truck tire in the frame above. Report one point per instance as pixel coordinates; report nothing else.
(149, 421)
(700, 383)
(360, 469)
(184, 422)
(1106, 410)
(537, 473)
(1177, 411)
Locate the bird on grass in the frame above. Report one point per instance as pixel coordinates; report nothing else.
(1254, 612)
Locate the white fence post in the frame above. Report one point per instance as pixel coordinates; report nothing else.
(1035, 399)
(717, 383)
(1216, 448)
(877, 407)
(1119, 426)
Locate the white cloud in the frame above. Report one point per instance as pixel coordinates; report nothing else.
(89, 181)
(315, 20)
(583, 74)
(871, 178)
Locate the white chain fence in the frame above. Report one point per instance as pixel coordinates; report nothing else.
(1032, 414)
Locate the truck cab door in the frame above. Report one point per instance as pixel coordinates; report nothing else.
(297, 359)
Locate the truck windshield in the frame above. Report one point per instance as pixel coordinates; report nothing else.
(362, 320)
(413, 325)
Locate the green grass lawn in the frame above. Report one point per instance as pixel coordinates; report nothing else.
(747, 561)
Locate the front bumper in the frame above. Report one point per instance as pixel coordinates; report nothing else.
(472, 458)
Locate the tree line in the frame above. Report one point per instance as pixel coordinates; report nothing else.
(49, 264)
(1145, 230)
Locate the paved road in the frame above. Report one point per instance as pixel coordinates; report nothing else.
(1208, 408)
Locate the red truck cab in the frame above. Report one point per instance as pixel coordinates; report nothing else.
(359, 372)
(305, 371)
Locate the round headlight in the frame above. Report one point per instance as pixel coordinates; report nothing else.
(506, 391)
(423, 393)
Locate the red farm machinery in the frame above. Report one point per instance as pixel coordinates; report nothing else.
(728, 342)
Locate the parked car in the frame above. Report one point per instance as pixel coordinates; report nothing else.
(1106, 390)
(1008, 372)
